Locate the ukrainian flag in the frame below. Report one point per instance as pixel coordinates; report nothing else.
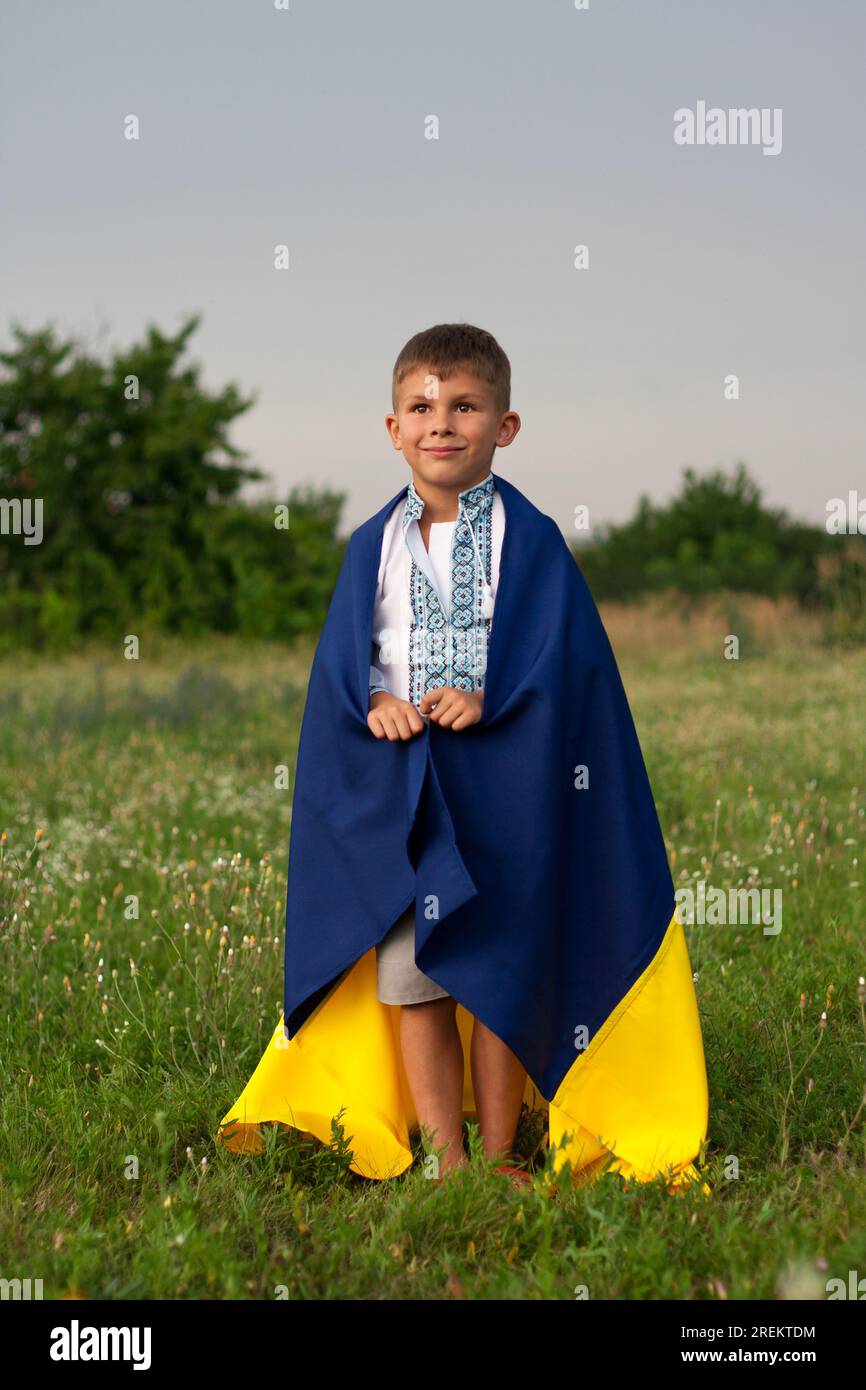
(635, 1102)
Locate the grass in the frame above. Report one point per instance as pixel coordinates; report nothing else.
(148, 788)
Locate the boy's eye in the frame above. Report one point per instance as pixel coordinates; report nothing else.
(423, 405)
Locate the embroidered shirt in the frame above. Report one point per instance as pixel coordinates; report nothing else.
(430, 627)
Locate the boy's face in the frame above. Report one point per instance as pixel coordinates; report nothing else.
(447, 430)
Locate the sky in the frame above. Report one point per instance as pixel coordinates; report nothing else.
(307, 125)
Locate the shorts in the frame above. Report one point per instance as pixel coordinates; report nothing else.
(398, 979)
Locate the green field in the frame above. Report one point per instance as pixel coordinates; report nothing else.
(125, 1041)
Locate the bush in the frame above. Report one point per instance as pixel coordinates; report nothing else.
(714, 535)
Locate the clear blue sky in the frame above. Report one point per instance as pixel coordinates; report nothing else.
(261, 126)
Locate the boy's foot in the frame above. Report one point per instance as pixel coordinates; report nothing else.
(446, 1171)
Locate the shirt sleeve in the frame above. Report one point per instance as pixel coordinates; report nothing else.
(377, 680)
(377, 676)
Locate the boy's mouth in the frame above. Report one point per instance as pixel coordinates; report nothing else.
(440, 453)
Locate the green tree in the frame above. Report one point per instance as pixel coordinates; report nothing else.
(138, 482)
(715, 534)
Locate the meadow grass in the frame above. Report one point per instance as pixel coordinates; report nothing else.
(126, 1040)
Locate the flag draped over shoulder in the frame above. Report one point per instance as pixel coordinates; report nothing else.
(544, 902)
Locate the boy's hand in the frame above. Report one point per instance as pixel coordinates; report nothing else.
(392, 718)
(454, 709)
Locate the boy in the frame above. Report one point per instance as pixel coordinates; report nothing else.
(475, 859)
(447, 431)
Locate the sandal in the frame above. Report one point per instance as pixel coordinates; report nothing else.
(513, 1173)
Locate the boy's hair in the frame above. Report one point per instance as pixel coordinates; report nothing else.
(451, 345)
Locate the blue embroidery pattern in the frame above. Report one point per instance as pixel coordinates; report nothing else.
(455, 653)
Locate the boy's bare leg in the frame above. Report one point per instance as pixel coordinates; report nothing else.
(433, 1058)
(499, 1082)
